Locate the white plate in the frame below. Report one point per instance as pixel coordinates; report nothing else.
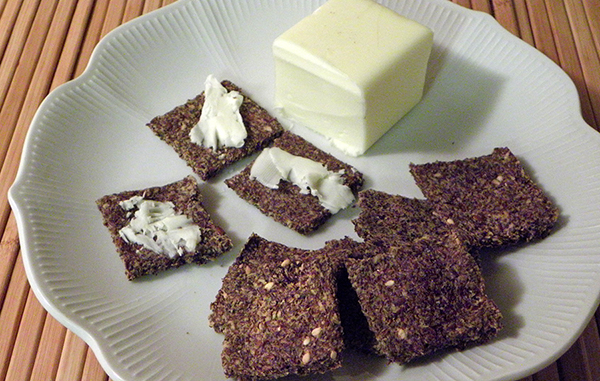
(485, 89)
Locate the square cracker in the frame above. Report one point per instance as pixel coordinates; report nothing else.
(187, 200)
(278, 310)
(490, 199)
(422, 297)
(288, 205)
(174, 128)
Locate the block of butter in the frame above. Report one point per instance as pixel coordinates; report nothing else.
(350, 71)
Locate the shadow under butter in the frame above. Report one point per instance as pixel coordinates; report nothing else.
(458, 98)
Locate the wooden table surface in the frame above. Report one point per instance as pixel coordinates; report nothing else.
(46, 43)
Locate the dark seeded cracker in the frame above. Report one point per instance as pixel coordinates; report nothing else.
(423, 297)
(357, 334)
(174, 128)
(490, 199)
(185, 196)
(287, 205)
(278, 310)
(393, 220)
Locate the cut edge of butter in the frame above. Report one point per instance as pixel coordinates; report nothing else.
(289, 51)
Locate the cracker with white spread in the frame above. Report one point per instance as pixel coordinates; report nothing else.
(158, 228)
(175, 126)
(289, 204)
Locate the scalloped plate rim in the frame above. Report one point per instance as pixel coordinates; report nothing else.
(18, 206)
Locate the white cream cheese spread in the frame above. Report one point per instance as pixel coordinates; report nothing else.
(156, 226)
(275, 164)
(221, 123)
(350, 71)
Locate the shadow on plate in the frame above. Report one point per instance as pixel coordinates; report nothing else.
(458, 97)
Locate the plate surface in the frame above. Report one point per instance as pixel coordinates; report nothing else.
(485, 88)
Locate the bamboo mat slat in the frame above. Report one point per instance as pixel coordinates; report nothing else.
(541, 28)
(481, 5)
(49, 350)
(506, 15)
(550, 373)
(114, 16)
(525, 30)
(8, 66)
(19, 31)
(72, 361)
(132, 10)
(27, 340)
(92, 370)
(583, 356)
(592, 9)
(92, 35)
(150, 5)
(47, 43)
(589, 58)
(7, 23)
(10, 316)
(9, 249)
(464, 3)
(20, 106)
(72, 47)
(566, 48)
